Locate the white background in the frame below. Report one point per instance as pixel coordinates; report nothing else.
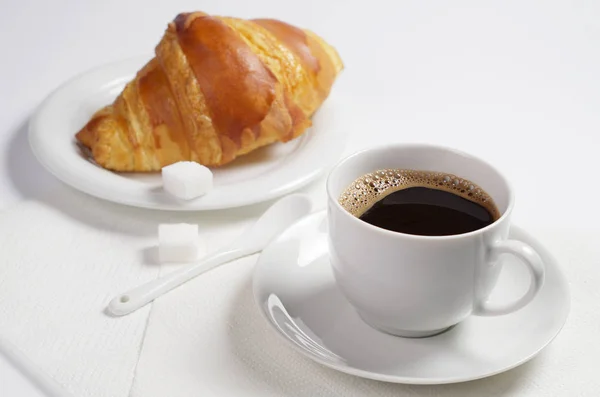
(515, 82)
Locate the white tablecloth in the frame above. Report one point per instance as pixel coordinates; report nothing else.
(515, 83)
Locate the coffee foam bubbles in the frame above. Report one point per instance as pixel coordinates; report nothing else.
(365, 191)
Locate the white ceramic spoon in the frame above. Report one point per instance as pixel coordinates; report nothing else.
(273, 222)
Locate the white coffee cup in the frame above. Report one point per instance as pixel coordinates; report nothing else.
(416, 286)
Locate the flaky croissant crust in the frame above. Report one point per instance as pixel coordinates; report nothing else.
(217, 88)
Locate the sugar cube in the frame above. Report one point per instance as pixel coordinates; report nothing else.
(187, 179)
(177, 242)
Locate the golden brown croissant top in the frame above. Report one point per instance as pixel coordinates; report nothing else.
(218, 88)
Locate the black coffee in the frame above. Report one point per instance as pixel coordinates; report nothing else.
(419, 202)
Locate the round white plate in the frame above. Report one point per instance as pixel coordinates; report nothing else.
(261, 175)
(296, 292)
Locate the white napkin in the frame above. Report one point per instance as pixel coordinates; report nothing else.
(56, 275)
(63, 260)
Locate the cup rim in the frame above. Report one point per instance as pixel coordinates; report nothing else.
(390, 233)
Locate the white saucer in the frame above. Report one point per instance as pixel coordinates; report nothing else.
(259, 176)
(295, 289)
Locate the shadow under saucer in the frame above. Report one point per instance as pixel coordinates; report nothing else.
(266, 357)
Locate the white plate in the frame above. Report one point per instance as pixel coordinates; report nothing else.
(261, 175)
(296, 292)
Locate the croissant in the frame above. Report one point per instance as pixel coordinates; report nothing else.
(217, 88)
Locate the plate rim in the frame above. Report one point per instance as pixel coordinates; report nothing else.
(36, 140)
(403, 379)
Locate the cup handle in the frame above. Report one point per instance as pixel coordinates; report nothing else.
(534, 264)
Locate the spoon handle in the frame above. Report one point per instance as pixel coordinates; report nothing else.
(140, 296)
